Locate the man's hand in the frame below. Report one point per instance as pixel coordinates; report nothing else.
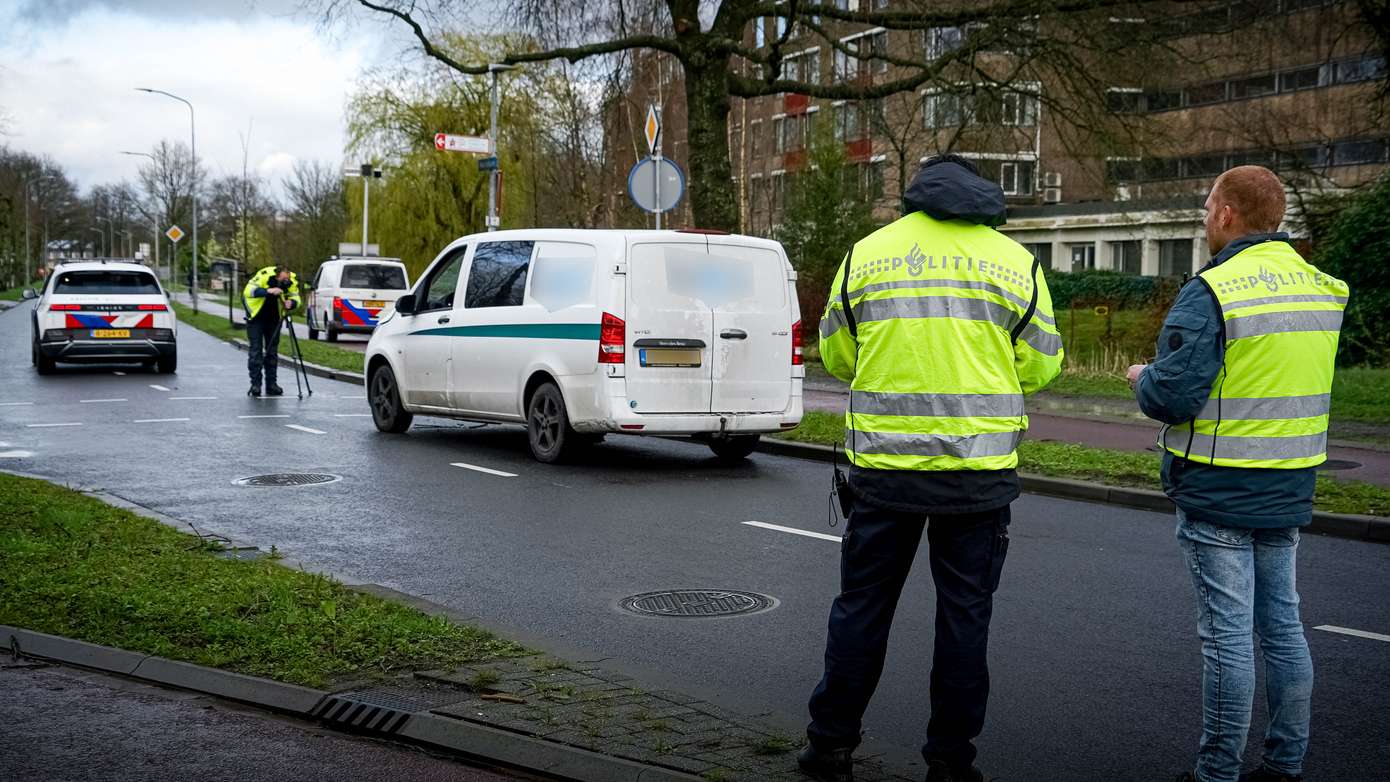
(289, 305)
(1134, 372)
(274, 291)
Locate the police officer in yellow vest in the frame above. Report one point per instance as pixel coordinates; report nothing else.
(269, 297)
(1242, 382)
(941, 325)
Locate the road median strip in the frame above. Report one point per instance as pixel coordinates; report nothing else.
(95, 581)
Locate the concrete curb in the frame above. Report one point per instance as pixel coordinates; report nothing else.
(496, 747)
(313, 369)
(1341, 525)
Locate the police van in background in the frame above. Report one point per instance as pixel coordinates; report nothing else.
(579, 333)
(350, 295)
(102, 312)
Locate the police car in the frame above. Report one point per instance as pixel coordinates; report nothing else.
(103, 312)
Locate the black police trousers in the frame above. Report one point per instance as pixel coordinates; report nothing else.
(967, 556)
(264, 335)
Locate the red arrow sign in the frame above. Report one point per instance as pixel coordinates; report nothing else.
(439, 141)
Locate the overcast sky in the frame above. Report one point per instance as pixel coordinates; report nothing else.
(69, 69)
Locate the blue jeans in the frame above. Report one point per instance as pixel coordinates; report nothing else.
(1245, 582)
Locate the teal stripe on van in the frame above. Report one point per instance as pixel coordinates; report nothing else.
(518, 330)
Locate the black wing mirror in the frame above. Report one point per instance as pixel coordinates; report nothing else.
(405, 305)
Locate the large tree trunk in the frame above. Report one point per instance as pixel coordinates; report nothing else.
(714, 198)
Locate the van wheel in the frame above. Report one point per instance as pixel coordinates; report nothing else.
(734, 447)
(388, 413)
(332, 333)
(548, 425)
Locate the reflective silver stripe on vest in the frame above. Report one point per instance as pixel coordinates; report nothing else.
(959, 446)
(965, 284)
(833, 321)
(1293, 298)
(871, 310)
(1262, 448)
(941, 405)
(1045, 342)
(1283, 322)
(1267, 409)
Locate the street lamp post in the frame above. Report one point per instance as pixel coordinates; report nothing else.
(100, 235)
(153, 224)
(495, 174)
(193, 148)
(28, 266)
(110, 242)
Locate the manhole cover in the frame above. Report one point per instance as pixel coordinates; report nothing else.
(288, 479)
(697, 602)
(1339, 464)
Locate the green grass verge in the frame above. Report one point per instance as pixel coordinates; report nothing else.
(1138, 469)
(314, 352)
(13, 294)
(71, 565)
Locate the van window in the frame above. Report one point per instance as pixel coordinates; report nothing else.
(109, 281)
(498, 277)
(439, 290)
(562, 274)
(373, 275)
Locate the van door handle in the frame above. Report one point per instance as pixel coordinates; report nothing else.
(443, 319)
(733, 334)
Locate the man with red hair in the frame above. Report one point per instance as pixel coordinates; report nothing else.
(1242, 382)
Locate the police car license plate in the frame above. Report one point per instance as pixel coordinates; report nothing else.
(668, 357)
(373, 303)
(110, 333)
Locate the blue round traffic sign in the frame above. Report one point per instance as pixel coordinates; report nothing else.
(656, 189)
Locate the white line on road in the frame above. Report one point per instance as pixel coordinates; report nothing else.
(118, 372)
(97, 401)
(275, 415)
(158, 420)
(793, 530)
(14, 404)
(353, 396)
(306, 429)
(352, 415)
(487, 470)
(181, 398)
(41, 426)
(158, 387)
(1357, 633)
(15, 454)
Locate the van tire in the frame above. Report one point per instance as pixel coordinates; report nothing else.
(734, 447)
(384, 396)
(332, 333)
(44, 364)
(548, 430)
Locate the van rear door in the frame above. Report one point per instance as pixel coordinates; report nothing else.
(669, 326)
(753, 314)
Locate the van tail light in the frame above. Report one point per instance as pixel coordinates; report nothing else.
(66, 307)
(612, 336)
(797, 359)
(152, 308)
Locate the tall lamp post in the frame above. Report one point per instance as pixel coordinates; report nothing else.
(28, 266)
(111, 241)
(193, 148)
(100, 235)
(153, 223)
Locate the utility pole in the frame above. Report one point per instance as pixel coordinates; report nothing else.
(193, 149)
(493, 176)
(368, 172)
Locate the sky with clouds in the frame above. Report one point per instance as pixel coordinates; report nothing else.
(69, 69)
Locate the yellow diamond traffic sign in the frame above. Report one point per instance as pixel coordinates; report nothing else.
(174, 233)
(651, 128)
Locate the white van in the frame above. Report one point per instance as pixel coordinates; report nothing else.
(349, 294)
(577, 333)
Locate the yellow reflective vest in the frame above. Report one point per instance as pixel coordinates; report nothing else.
(265, 278)
(1268, 407)
(949, 324)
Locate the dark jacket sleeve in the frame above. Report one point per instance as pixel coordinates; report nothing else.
(1175, 386)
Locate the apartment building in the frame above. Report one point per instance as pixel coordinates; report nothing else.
(1291, 84)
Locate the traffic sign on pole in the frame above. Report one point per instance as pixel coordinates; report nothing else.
(645, 188)
(488, 163)
(477, 145)
(174, 233)
(652, 128)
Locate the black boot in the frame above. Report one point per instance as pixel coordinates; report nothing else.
(273, 390)
(255, 390)
(1263, 774)
(941, 771)
(832, 766)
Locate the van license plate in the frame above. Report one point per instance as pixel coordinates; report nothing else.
(668, 357)
(373, 303)
(110, 333)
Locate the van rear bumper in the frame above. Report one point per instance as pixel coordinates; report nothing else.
(707, 423)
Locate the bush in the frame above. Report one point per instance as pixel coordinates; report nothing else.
(1113, 289)
(1354, 248)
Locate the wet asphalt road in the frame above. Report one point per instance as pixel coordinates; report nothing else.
(66, 724)
(1094, 656)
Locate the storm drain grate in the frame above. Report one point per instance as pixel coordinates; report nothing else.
(289, 479)
(697, 602)
(382, 709)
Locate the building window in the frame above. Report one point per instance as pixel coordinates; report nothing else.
(1174, 257)
(1206, 94)
(1203, 165)
(1123, 101)
(851, 122)
(1353, 153)
(803, 67)
(779, 135)
(1127, 256)
(1254, 86)
(756, 146)
(1360, 69)
(1162, 100)
(1042, 251)
(759, 32)
(1302, 79)
(871, 180)
(941, 41)
(779, 191)
(945, 110)
(878, 47)
(1016, 177)
(1121, 170)
(1083, 257)
(1020, 109)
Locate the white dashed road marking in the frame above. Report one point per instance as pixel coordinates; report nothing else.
(158, 387)
(352, 415)
(487, 470)
(793, 531)
(14, 404)
(305, 429)
(268, 415)
(98, 401)
(1356, 633)
(182, 398)
(122, 374)
(158, 420)
(15, 454)
(42, 426)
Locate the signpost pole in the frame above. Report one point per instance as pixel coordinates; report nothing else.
(366, 197)
(492, 150)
